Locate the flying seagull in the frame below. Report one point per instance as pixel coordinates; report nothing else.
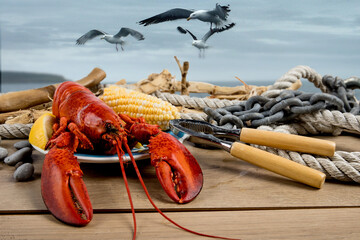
(216, 16)
(115, 39)
(201, 44)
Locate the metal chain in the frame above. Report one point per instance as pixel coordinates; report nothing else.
(260, 110)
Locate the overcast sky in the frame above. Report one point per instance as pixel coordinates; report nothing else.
(269, 38)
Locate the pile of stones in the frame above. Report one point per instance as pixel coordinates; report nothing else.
(21, 160)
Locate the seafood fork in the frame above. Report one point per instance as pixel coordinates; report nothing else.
(229, 140)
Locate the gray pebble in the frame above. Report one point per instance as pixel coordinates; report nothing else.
(20, 155)
(24, 172)
(22, 144)
(3, 153)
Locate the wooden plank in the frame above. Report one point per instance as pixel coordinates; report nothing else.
(326, 224)
(228, 184)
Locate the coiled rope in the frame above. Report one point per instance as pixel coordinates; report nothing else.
(10, 131)
(343, 166)
(194, 102)
(291, 77)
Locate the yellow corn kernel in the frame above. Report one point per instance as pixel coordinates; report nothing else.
(136, 104)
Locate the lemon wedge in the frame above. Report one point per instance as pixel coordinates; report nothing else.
(138, 145)
(41, 130)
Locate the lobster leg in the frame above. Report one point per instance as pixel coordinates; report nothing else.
(60, 128)
(84, 141)
(62, 188)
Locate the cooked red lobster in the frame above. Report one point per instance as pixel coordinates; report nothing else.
(86, 122)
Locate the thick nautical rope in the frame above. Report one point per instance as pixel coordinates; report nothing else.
(10, 131)
(194, 102)
(293, 75)
(325, 121)
(343, 166)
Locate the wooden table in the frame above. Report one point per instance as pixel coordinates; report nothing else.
(237, 201)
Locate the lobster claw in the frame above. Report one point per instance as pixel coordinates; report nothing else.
(62, 188)
(176, 168)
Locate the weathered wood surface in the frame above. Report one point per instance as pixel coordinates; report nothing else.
(237, 200)
(298, 224)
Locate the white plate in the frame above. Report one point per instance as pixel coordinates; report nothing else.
(138, 153)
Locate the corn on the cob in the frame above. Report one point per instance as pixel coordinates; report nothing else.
(137, 104)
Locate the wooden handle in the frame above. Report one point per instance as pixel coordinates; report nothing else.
(288, 141)
(279, 165)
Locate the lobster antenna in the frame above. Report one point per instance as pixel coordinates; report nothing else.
(120, 153)
(157, 209)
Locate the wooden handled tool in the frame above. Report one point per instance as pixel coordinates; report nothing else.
(288, 141)
(260, 137)
(277, 164)
(207, 134)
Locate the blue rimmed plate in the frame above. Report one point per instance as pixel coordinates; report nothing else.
(138, 153)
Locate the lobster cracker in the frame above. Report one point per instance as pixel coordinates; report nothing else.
(208, 134)
(88, 123)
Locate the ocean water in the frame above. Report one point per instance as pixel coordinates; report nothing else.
(306, 86)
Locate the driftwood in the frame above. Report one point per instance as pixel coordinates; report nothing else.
(20, 115)
(165, 82)
(14, 101)
(184, 70)
(25, 116)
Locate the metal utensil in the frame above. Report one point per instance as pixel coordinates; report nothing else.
(205, 133)
(260, 137)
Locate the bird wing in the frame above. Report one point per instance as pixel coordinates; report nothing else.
(217, 30)
(89, 35)
(170, 15)
(226, 27)
(126, 31)
(221, 11)
(184, 31)
(181, 30)
(208, 34)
